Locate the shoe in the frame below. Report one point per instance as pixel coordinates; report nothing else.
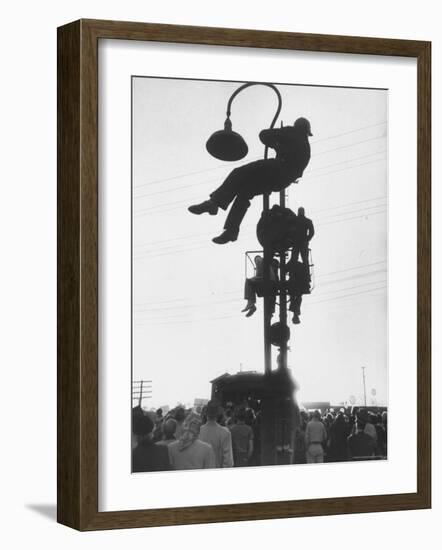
(206, 206)
(248, 306)
(296, 320)
(225, 237)
(251, 311)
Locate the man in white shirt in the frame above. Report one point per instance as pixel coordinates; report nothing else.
(218, 437)
(315, 438)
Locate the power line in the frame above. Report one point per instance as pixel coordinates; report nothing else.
(177, 249)
(349, 145)
(181, 237)
(172, 314)
(217, 179)
(183, 201)
(233, 315)
(248, 233)
(349, 132)
(220, 166)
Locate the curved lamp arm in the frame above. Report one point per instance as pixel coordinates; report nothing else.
(244, 86)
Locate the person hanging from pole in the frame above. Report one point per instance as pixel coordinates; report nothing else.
(256, 285)
(305, 232)
(297, 285)
(260, 177)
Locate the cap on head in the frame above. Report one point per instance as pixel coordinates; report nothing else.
(304, 125)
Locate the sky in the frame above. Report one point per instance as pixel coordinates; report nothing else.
(188, 292)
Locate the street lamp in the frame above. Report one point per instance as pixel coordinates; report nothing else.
(229, 145)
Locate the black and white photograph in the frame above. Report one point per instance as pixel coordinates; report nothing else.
(259, 274)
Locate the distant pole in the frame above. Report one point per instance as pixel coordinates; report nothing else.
(140, 398)
(365, 390)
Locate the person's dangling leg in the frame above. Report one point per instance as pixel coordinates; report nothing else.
(304, 254)
(250, 296)
(254, 178)
(226, 192)
(295, 306)
(295, 253)
(233, 221)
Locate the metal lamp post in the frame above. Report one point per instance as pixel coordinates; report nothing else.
(230, 146)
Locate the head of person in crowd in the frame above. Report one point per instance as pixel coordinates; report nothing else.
(384, 418)
(143, 426)
(240, 415)
(316, 415)
(339, 420)
(180, 414)
(360, 424)
(362, 414)
(169, 428)
(191, 431)
(249, 417)
(213, 410)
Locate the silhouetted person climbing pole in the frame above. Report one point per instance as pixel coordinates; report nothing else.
(304, 234)
(260, 177)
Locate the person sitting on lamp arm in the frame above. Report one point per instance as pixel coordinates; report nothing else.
(261, 177)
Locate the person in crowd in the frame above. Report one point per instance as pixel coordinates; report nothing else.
(254, 284)
(370, 426)
(260, 177)
(385, 426)
(148, 457)
(137, 412)
(338, 434)
(360, 444)
(217, 436)
(168, 431)
(230, 419)
(189, 452)
(381, 437)
(158, 428)
(304, 234)
(299, 456)
(180, 415)
(242, 439)
(315, 439)
(249, 416)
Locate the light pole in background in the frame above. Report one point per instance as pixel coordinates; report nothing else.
(365, 390)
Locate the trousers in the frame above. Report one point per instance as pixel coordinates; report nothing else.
(315, 453)
(300, 248)
(248, 181)
(251, 286)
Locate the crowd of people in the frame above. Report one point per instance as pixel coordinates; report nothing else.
(338, 436)
(217, 437)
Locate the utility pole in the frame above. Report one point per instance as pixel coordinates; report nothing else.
(140, 399)
(365, 390)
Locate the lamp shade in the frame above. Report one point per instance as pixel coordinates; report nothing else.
(227, 144)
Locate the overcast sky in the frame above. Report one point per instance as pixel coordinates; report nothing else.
(188, 292)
